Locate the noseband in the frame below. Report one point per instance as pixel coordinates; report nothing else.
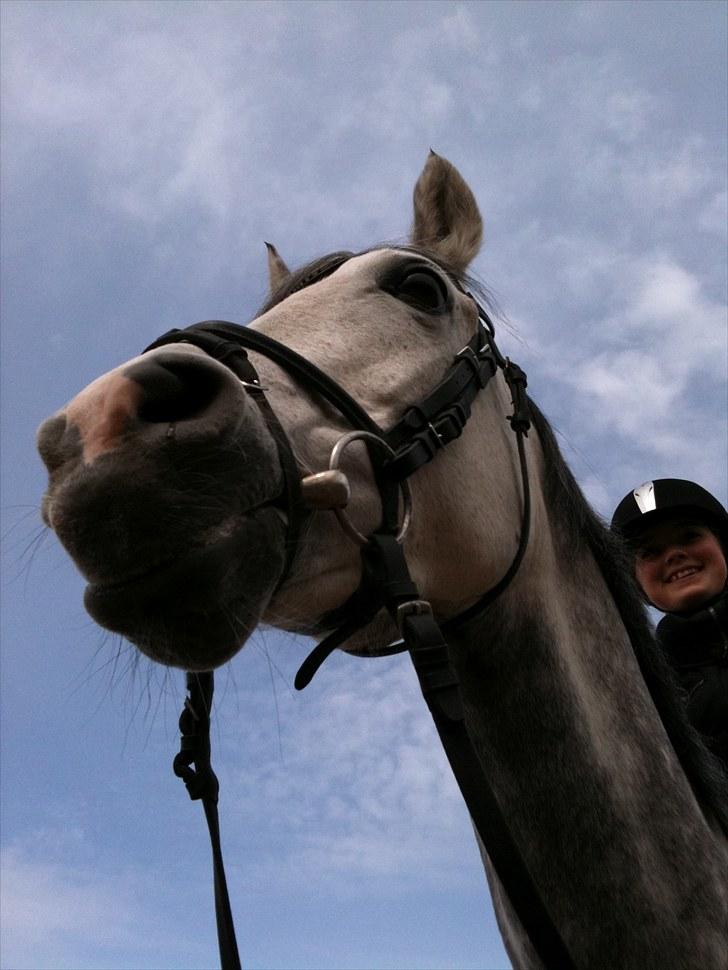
(395, 454)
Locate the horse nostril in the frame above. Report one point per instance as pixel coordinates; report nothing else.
(175, 388)
(57, 443)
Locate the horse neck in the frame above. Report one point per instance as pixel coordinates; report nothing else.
(577, 756)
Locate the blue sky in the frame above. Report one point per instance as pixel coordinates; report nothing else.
(148, 149)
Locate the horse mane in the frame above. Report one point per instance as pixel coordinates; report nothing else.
(582, 525)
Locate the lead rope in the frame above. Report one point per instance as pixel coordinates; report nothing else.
(202, 784)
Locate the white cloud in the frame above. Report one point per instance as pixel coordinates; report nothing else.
(669, 312)
(364, 788)
(668, 177)
(651, 366)
(45, 899)
(627, 113)
(459, 29)
(55, 911)
(628, 387)
(635, 371)
(714, 217)
(453, 31)
(165, 135)
(667, 293)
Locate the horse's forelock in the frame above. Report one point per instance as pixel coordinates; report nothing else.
(324, 266)
(305, 276)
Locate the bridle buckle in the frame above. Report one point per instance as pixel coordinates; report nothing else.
(434, 437)
(477, 361)
(411, 608)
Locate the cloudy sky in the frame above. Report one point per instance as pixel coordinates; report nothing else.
(148, 149)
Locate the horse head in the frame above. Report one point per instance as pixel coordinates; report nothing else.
(166, 485)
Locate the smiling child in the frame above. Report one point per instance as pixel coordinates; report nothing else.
(678, 533)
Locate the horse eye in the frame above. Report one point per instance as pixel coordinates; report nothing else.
(424, 291)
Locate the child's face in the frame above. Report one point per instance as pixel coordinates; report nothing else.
(680, 565)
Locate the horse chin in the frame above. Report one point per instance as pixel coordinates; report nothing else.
(196, 609)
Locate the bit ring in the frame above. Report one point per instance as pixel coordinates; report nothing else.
(344, 521)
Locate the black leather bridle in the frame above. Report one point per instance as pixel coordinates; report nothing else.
(423, 430)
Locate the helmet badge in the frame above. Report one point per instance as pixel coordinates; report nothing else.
(644, 496)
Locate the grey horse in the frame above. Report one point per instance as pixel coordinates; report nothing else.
(618, 810)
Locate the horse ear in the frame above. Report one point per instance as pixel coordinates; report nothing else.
(447, 218)
(278, 272)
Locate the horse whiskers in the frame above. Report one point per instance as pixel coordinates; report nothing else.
(30, 510)
(118, 674)
(29, 549)
(241, 620)
(124, 666)
(110, 661)
(259, 643)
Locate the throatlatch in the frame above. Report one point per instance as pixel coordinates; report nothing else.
(396, 454)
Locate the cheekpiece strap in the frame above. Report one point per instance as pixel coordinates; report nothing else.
(428, 426)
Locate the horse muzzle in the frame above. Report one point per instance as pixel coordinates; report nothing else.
(166, 462)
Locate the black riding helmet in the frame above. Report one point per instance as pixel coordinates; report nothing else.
(666, 498)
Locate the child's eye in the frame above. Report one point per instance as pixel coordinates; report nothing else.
(648, 552)
(690, 536)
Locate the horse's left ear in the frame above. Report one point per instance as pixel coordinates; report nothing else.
(447, 218)
(277, 269)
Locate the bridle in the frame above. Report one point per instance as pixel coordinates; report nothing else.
(415, 439)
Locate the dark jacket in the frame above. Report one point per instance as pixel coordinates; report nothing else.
(697, 647)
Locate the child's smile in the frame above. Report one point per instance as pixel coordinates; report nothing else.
(680, 565)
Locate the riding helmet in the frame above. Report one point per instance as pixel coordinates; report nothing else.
(664, 498)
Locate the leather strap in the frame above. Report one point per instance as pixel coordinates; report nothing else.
(427, 427)
(308, 375)
(440, 688)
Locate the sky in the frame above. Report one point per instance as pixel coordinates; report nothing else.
(148, 150)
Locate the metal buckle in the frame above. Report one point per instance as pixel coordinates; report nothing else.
(433, 435)
(477, 360)
(469, 355)
(454, 420)
(252, 386)
(411, 608)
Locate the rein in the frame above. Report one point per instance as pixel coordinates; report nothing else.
(413, 441)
